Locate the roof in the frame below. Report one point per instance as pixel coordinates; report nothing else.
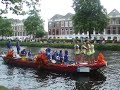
(58, 16)
(114, 13)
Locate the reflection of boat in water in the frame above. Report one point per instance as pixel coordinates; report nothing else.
(78, 77)
(41, 62)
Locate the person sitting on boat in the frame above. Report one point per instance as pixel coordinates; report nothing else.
(23, 54)
(55, 56)
(30, 56)
(66, 57)
(83, 51)
(92, 52)
(18, 47)
(48, 53)
(9, 45)
(61, 56)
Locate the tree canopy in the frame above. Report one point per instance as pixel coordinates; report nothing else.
(89, 16)
(17, 6)
(5, 27)
(34, 24)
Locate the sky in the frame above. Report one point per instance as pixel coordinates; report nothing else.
(51, 7)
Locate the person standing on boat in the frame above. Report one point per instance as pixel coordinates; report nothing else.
(83, 51)
(48, 53)
(18, 47)
(66, 57)
(88, 52)
(9, 45)
(92, 52)
(61, 56)
(77, 52)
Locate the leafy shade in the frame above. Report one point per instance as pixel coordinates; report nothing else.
(5, 27)
(17, 6)
(33, 25)
(89, 16)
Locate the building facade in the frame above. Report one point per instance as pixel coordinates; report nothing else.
(18, 29)
(60, 26)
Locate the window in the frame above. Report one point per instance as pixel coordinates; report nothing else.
(49, 32)
(114, 21)
(63, 32)
(114, 30)
(108, 31)
(71, 32)
(109, 38)
(62, 23)
(70, 24)
(119, 21)
(118, 30)
(57, 32)
(49, 24)
(57, 24)
(66, 23)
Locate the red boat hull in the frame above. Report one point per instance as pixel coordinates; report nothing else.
(74, 67)
(82, 67)
(21, 63)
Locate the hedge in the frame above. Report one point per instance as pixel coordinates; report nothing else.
(112, 47)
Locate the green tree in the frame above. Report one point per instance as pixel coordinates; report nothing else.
(17, 6)
(5, 27)
(89, 16)
(34, 24)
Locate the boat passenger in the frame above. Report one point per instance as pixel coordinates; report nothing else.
(92, 52)
(66, 57)
(83, 51)
(23, 54)
(88, 52)
(61, 56)
(30, 55)
(76, 45)
(77, 55)
(48, 53)
(18, 47)
(9, 45)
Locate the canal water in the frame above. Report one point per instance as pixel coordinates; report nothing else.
(29, 79)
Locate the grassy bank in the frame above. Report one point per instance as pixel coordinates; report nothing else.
(112, 47)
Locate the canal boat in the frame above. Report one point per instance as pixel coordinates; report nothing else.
(41, 62)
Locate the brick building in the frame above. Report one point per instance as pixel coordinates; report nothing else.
(60, 26)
